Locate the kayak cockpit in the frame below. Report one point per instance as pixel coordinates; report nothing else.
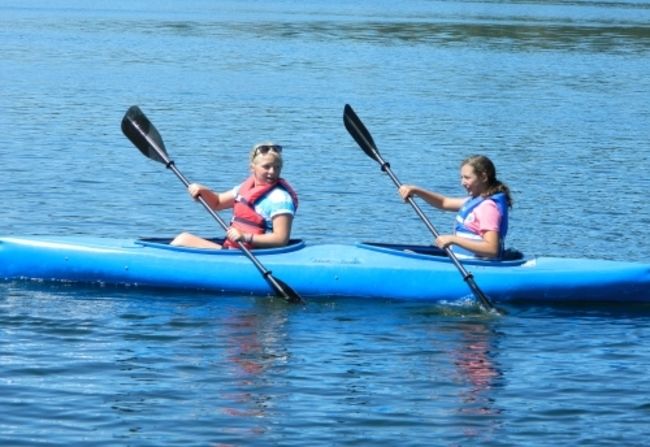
(163, 243)
(511, 258)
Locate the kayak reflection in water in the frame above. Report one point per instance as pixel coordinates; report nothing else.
(263, 205)
(482, 220)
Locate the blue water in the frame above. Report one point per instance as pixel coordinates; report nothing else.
(556, 93)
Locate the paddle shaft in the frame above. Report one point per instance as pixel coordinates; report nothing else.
(280, 288)
(361, 135)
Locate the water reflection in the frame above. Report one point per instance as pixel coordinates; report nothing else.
(256, 348)
(479, 372)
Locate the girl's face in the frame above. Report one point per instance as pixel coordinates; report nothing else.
(474, 184)
(266, 168)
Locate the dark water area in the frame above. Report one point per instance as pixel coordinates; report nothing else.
(556, 93)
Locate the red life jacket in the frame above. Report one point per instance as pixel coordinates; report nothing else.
(245, 218)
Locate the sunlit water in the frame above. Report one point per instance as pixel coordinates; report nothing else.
(556, 93)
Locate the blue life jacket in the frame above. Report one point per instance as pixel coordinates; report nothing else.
(460, 229)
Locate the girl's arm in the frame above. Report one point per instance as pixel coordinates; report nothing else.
(432, 198)
(487, 248)
(216, 201)
(279, 237)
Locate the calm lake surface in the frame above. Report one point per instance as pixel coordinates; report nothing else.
(555, 92)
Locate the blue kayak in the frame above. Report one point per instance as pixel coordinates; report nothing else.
(366, 270)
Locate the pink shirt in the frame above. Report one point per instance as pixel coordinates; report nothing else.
(485, 217)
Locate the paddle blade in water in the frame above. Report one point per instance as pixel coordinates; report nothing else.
(283, 290)
(137, 128)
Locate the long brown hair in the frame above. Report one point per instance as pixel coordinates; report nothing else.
(483, 165)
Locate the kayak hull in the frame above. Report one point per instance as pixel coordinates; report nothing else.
(375, 271)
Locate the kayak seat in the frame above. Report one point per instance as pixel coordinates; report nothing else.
(512, 254)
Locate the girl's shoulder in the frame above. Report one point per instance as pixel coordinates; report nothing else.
(487, 206)
(279, 194)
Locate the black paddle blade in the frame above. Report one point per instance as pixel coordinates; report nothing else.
(483, 299)
(359, 132)
(137, 128)
(283, 290)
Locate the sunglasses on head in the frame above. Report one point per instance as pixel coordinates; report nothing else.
(266, 148)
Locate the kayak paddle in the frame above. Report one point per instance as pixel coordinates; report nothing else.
(142, 133)
(363, 138)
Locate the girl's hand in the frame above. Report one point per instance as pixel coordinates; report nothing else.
(235, 235)
(444, 240)
(406, 191)
(195, 190)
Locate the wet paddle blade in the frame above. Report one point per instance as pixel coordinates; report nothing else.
(283, 290)
(483, 299)
(139, 130)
